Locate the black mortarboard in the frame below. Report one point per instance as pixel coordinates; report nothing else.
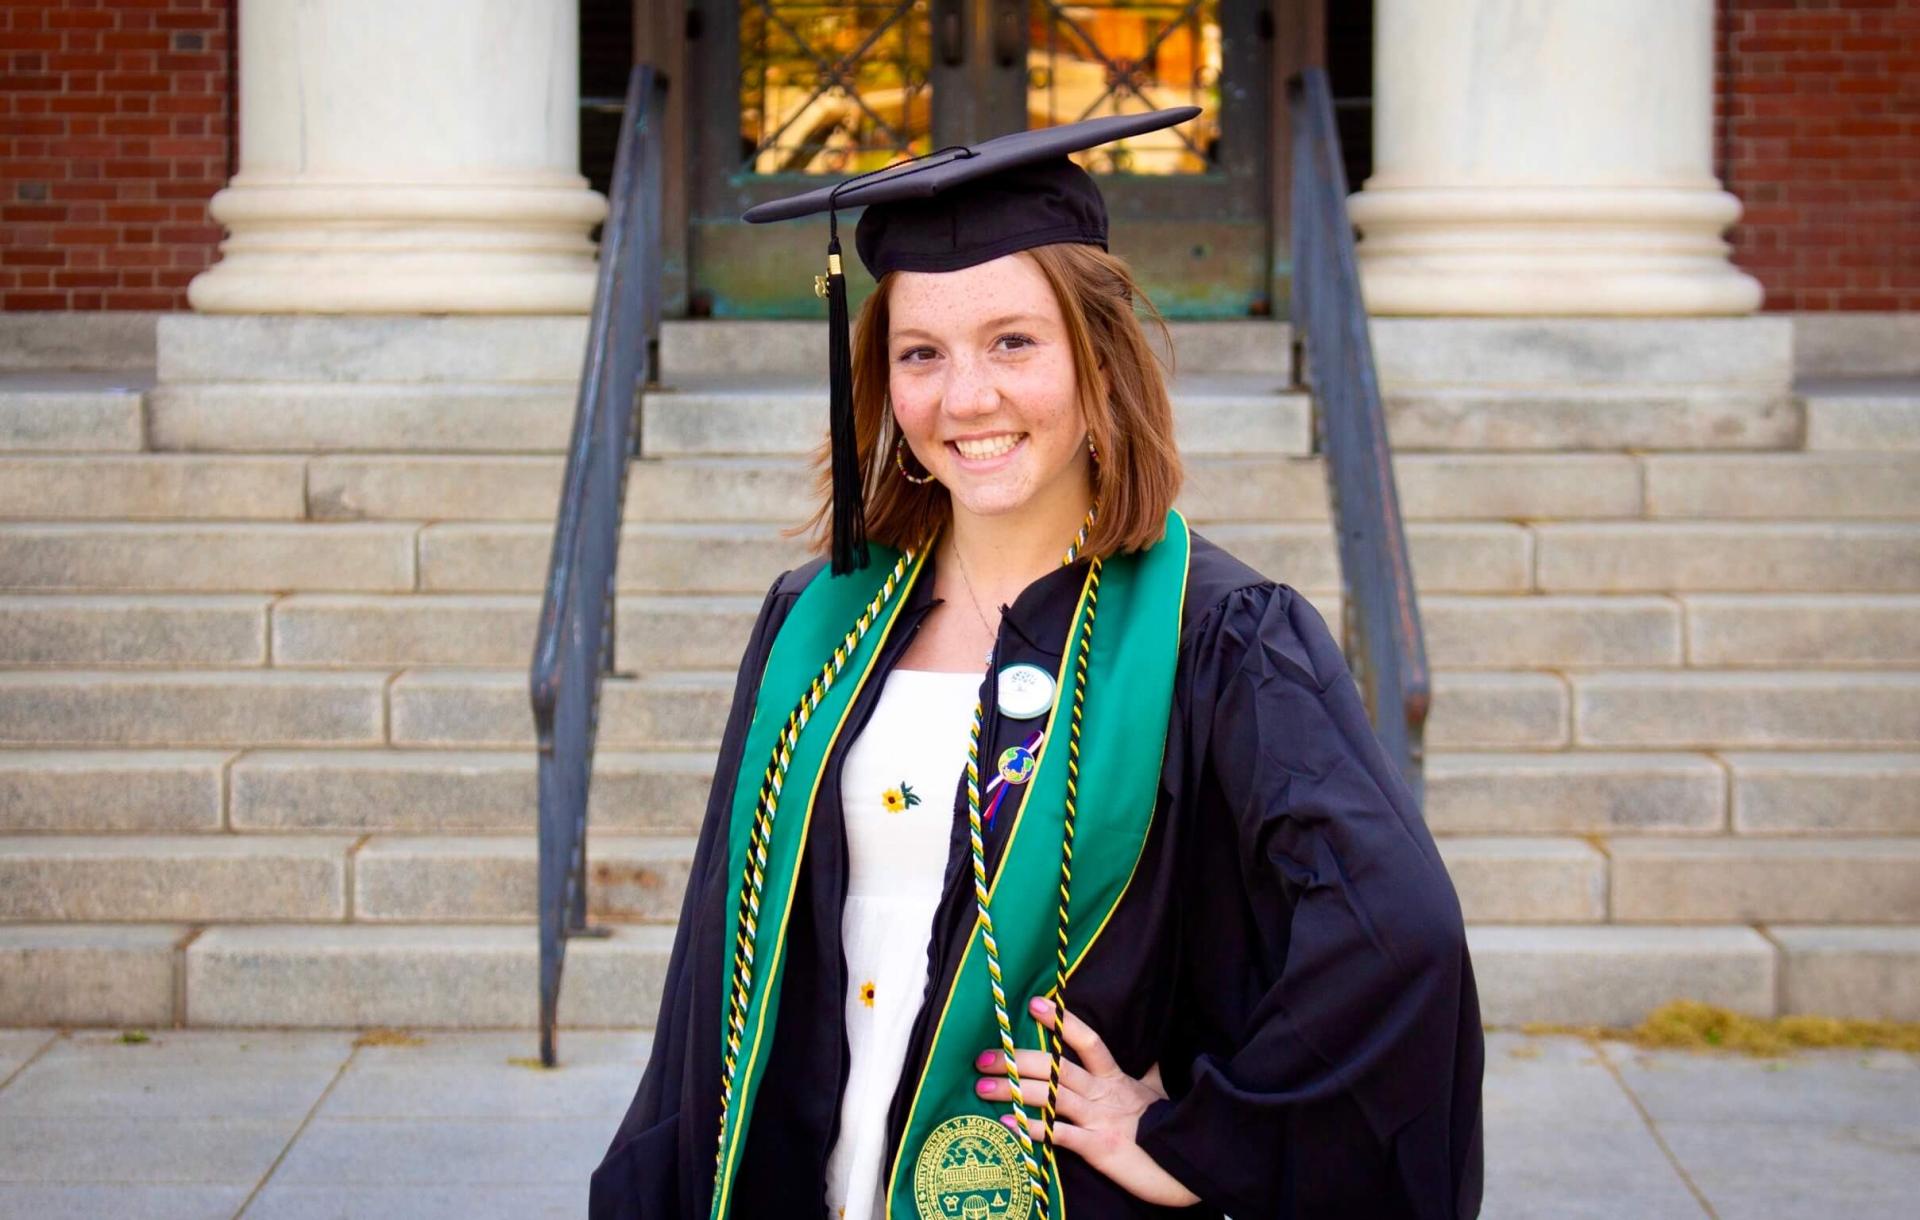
(950, 209)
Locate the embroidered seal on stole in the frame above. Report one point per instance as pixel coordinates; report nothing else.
(970, 1169)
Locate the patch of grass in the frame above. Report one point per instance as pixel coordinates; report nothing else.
(531, 1061)
(133, 1037)
(383, 1036)
(1692, 1025)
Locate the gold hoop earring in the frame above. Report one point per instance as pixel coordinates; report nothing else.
(899, 459)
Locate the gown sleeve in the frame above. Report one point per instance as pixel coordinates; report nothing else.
(637, 1176)
(1331, 988)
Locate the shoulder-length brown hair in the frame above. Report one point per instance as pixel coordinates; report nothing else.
(1123, 394)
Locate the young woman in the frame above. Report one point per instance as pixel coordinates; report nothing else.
(1050, 862)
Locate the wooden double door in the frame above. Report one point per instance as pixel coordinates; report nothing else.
(784, 95)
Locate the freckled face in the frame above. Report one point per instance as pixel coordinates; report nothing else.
(983, 383)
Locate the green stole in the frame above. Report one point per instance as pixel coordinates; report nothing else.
(954, 1157)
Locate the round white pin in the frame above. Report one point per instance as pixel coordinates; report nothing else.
(1025, 691)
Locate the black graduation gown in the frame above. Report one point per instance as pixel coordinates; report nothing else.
(1290, 950)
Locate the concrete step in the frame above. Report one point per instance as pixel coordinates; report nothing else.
(1615, 975)
(488, 709)
(37, 341)
(1747, 710)
(152, 486)
(193, 708)
(779, 488)
(1526, 879)
(91, 974)
(1784, 485)
(1732, 629)
(706, 631)
(1728, 557)
(419, 976)
(1741, 880)
(1550, 632)
(434, 707)
(1865, 414)
(107, 791)
(59, 412)
(479, 976)
(189, 557)
(400, 630)
(1865, 972)
(425, 792)
(459, 792)
(1812, 793)
(371, 348)
(1215, 413)
(1495, 710)
(430, 976)
(692, 350)
(335, 417)
(744, 557)
(1587, 383)
(496, 880)
(152, 878)
(89, 630)
(1588, 793)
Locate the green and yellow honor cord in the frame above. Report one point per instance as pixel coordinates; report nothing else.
(740, 991)
(1036, 1169)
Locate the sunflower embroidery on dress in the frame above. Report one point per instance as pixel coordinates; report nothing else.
(896, 799)
(866, 993)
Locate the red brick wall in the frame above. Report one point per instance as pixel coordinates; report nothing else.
(1818, 133)
(115, 129)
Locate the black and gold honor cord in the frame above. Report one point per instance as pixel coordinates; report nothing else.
(1035, 1163)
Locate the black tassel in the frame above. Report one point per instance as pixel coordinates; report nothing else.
(849, 496)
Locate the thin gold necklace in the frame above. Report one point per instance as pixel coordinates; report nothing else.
(973, 597)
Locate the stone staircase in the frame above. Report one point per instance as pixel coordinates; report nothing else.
(266, 610)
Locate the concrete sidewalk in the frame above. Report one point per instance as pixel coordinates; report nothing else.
(200, 1123)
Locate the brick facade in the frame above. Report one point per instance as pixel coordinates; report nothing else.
(116, 127)
(115, 130)
(1818, 133)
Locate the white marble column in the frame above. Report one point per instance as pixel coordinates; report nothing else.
(1546, 157)
(412, 157)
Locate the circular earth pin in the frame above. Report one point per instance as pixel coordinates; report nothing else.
(1025, 691)
(1017, 764)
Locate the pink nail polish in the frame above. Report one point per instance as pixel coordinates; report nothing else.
(984, 1087)
(985, 1060)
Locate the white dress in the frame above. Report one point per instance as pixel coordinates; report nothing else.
(897, 794)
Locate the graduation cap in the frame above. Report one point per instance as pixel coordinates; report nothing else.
(952, 208)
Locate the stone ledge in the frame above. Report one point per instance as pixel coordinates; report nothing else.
(1606, 975)
(414, 792)
(148, 878)
(89, 630)
(1816, 793)
(1575, 793)
(420, 976)
(108, 791)
(1741, 880)
(1872, 973)
(88, 974)
(496, 880)
(197, 347)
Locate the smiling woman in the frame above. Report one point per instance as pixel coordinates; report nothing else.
(1168, 930)
(947, 362)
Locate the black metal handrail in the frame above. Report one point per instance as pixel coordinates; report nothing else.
(574, 650)
(1380, 615)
